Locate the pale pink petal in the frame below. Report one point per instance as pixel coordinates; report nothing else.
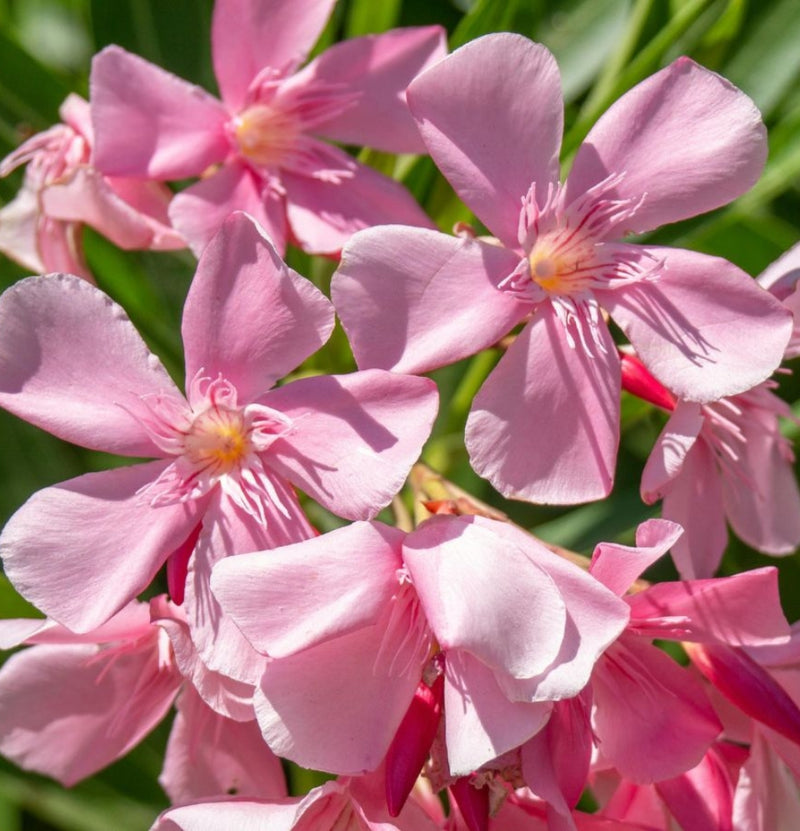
(226, 696)
(780, 277)
(243, 815)
(16, 631)
(72, 363)
(228, 531)
(652, 718)
(669, 452)
(740, 610)
(545, 425)
(685, 141)
(353, 437)
(704, 328)
(407, 296)
(694, 501)
(68, 711)
(491, 115)
(595, 618)
(325, 212)
(209, 755)
(348, 576)
(150, 123)
(199, 211)
(337, 705)
(152, 200)
(480, 722)
(762, 502)
(61, 247)
(87, 197)
(767, 798)
(250, 35)
(81, 550)
(75, 112)
(781, 280)
(248, 317)
(18, 229)
(448, 558)
(375, 70)
(618, 566)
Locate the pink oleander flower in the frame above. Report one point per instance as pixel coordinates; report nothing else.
(72, 704)
(717, 461)
(62, 191)
(545, 425)
(260, 149)
(648, 717)
(226, 455)
(382, 609)
(646, 740)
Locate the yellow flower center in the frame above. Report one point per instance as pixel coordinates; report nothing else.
(561, 262)
(217, 440)
(265, 135)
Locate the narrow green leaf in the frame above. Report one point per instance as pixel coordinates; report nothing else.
(365, 17)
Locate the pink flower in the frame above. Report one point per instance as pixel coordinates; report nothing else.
(41, 227)
(72, 363)
(717, 461)
(545, 425)
(72, 704)
(646, 740)
(263, 140)
(357, 640)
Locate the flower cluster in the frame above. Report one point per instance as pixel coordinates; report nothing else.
(455, 652)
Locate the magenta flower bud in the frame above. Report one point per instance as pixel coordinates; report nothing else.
(639, 382)
(472, 802)
(409, 749)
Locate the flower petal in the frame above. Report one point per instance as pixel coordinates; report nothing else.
(200, 210)
(228, 531)
(740, 610)
(208, 755)
(407, 296)
(685, 141)
(704, 328)
(480, 722)
(448, 558)
(344, 677)
(325, 211)
(82, 549)
(250, 35)
(354, 437)
(669, 452)
(618, 566)
(150, 123)
(68, 711)
(248, 316)
(348, 576)
(545, 425)
(375, 70)
(694, 501)
(651, 716)
(763, 503)
(72, 363)
(491, 115)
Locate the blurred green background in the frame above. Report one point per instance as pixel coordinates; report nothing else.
(603, 47)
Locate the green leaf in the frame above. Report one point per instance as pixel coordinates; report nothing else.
(767, 64)
(365, 17)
